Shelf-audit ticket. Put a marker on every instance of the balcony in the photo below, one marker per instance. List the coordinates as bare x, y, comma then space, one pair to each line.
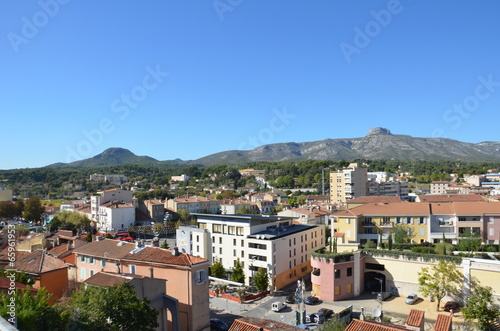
369, 224
444, 224
386, 225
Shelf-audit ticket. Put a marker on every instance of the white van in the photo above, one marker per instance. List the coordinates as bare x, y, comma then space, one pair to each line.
278, 306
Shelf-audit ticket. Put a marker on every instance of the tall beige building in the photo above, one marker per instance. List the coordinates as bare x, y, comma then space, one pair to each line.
348, 183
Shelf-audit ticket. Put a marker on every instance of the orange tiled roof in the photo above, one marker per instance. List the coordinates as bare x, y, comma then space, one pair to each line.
375, 199
107, 279
415, 317
39, 262
443, 322
257, 324
451, 197
163, 256
114, 249
358, 325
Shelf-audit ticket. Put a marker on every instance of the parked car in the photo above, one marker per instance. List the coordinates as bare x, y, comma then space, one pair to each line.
311, 300
327, 313
383, 296
278, 306
290, 299
450, 305
315, 318
411, 299
218, 325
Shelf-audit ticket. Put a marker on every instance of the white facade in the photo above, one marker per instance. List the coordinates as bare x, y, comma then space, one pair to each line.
269, 242
115, 216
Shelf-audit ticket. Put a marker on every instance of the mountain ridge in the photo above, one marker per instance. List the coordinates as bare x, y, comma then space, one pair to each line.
379, 143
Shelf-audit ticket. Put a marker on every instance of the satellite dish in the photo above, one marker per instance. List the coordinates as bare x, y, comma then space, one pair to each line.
376, 312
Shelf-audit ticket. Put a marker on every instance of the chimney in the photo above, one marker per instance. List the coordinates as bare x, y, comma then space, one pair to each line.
175, 251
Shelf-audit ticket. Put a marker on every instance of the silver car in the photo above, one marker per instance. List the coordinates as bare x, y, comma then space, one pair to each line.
411, 299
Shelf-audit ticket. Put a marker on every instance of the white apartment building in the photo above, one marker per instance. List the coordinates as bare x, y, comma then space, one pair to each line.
181, 178
115, 215
348, 183
259, 241
439, 187
389, 188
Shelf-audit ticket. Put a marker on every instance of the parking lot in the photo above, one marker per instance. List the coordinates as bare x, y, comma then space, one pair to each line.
394, 307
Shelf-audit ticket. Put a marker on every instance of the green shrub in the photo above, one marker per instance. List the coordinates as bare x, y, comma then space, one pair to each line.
370, 244
444, 249
426, 250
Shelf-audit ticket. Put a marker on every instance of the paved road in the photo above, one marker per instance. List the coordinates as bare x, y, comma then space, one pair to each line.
394, 307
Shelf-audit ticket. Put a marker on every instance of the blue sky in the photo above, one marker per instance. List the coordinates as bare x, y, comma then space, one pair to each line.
185, 79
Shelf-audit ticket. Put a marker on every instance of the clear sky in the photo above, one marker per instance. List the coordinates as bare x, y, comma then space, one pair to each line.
185, 79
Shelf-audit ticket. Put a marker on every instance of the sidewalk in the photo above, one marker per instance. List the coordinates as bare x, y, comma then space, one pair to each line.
233, 307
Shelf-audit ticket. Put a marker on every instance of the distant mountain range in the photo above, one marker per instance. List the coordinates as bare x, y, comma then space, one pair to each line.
379, 143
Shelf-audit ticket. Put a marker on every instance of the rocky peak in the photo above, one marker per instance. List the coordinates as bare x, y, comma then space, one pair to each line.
378, 131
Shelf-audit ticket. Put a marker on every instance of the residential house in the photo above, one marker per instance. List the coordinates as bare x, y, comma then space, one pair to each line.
186, 275
153, 289
115, 215
194, 204
45, 271
231, 206
439, 187
155, 209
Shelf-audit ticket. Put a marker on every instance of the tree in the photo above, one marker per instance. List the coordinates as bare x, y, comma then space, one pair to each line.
238, 275
389, 243
110, 308
217, 270
469, 241
184, 215
33, 209
7, 209
164, 245
244, 210
69, 220
402, 233
261, 280
441, 280
33, 312
480, 306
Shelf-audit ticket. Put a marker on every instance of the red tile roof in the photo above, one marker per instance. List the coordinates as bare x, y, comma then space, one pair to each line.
450, 197
374, 199
5, 285
357, 325
114, 249
257, 324
443, 322
163, 256
107, 279
39, 262
415, 317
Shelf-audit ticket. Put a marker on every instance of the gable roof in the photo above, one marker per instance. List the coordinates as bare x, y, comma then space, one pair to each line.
415, 317
163, 256
114, 249
443, 322
258, 324
374, 199
400, 208
39, 262
108, 279
450, 197
358, 325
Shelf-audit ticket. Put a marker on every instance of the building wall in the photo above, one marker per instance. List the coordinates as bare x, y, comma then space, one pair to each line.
55, 282
5, 195
193, 298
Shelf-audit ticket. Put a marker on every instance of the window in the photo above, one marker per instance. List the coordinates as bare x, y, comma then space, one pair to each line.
197, 238
131, 269
234, 242
151, 272
220, 240
231, 229
368, 231
422, 232
461, 219
234, 252
220, 250
213, 240
200, 277
349, 288
82, 258
421, 220
242, 243
337, 273
202, 225
337, 290
289, 242
398, 220
386, 220
239, 230
103, 262
491, 220
82, 273
197, 248
348, 221
349, 272
91, 272
408, 220
216, 228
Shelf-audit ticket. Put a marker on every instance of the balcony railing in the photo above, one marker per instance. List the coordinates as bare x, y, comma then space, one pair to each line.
386, 224
445, 223
368, 224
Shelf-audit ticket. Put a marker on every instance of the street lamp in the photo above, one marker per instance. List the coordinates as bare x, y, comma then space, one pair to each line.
380, 280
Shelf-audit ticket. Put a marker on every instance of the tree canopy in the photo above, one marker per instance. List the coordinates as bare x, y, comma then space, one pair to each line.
480, 306
261, 280
439, 280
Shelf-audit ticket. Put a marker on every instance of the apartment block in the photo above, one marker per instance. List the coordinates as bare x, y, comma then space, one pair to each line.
348, 183
259, 241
